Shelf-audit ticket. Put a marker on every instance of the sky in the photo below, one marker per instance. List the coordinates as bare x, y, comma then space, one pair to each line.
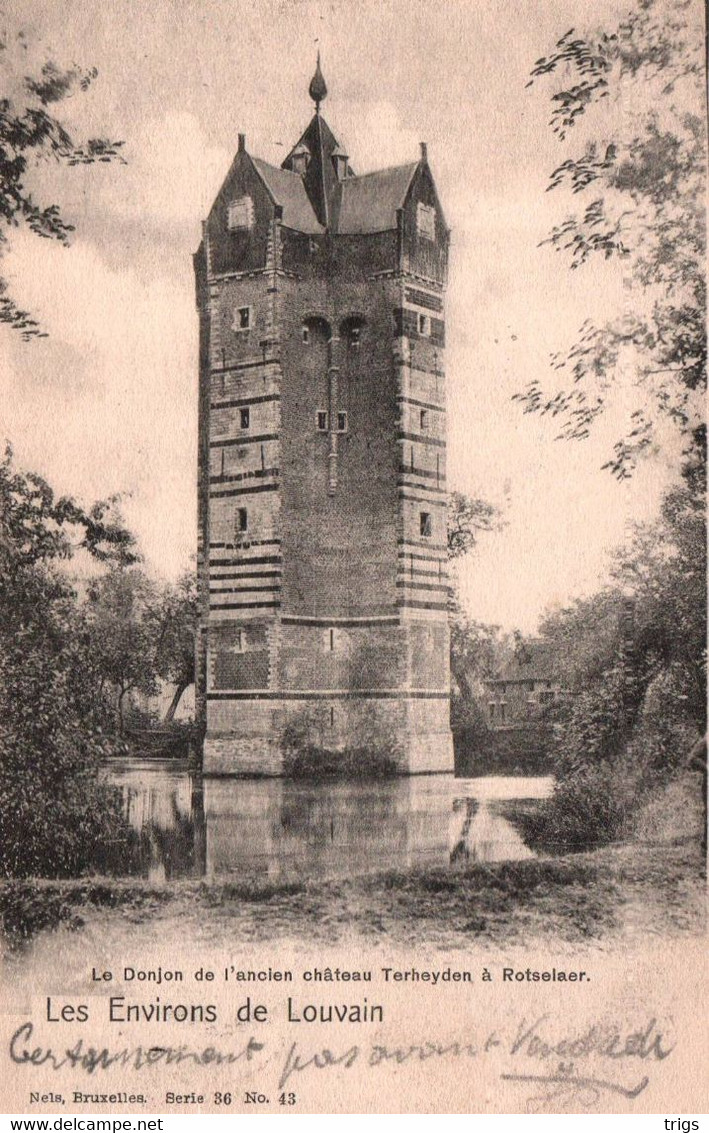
108, 401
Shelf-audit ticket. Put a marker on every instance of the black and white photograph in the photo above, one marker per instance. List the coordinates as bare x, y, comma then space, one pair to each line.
353, 557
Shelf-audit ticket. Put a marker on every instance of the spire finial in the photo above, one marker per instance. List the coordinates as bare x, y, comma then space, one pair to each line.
317, 89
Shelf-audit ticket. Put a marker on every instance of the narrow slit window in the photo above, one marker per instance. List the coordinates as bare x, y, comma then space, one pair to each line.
305, 333
332, 640
423, 420
342, 422
245, 417
425, 524
322, 420
242, 520
332, 717
424, 325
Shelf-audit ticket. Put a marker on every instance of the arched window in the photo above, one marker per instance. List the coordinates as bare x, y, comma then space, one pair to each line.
315, 329
351, 330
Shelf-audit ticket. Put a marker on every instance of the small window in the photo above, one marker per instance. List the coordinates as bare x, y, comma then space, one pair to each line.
426, 221
425, 524
503, 712
245, 417
241, 214
306, 333
424, 420
424, 325
332, 640
322, 417
239, 641
242, 318
242, 520
342, 422
491, 706
355, 336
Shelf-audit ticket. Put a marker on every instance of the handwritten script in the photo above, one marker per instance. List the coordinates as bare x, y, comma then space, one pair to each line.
561, 1070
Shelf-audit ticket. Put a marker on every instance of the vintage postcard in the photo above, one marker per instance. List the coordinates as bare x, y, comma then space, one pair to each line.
353, 557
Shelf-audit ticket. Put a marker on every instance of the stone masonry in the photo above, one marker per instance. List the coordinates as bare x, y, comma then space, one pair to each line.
322, 460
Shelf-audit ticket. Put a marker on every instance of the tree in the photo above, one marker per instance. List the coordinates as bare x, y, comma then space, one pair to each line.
123, 623
177, 626
37, 528
636, 94
467, 517
31, 131
473, 645
55, 811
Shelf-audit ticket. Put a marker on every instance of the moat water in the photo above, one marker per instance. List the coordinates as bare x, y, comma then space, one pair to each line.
275, 829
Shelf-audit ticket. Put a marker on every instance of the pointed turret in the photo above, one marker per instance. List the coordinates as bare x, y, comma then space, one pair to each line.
318, 158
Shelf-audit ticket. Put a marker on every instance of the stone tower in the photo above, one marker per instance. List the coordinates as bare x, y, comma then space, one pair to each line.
322, 461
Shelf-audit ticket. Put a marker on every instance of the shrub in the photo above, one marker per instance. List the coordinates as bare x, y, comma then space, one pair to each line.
352, 763
56, 813
373, 753
590, 807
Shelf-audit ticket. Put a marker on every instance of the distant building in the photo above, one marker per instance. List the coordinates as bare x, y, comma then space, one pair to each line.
322, 548
524, 688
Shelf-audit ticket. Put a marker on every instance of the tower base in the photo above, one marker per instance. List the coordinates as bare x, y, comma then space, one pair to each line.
265, 735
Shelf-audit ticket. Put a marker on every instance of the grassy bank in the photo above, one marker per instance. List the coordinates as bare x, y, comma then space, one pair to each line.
650, 884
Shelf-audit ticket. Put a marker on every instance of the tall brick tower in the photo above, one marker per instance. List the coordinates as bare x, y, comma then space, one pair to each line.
322, 461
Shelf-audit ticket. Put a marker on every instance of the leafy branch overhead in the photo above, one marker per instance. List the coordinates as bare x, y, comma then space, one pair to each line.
36, 527
634, 97
31, 131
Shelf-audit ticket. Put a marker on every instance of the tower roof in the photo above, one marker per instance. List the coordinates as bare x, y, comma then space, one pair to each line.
287, 190
369, 203
320, 178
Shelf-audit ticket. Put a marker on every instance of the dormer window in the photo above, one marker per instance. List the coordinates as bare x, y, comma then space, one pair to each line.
300, 159
339, 160
241, 214
426, 221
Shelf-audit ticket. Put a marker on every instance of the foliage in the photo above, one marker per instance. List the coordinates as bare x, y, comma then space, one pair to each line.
55, 811
353, 763
476, 651
591, 808
31, 131
177, 627
373, 751
467, 517
121, 616
635, 659
636, 96
36, 527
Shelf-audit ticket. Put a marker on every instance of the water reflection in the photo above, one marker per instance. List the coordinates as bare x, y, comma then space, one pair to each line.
281, 830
